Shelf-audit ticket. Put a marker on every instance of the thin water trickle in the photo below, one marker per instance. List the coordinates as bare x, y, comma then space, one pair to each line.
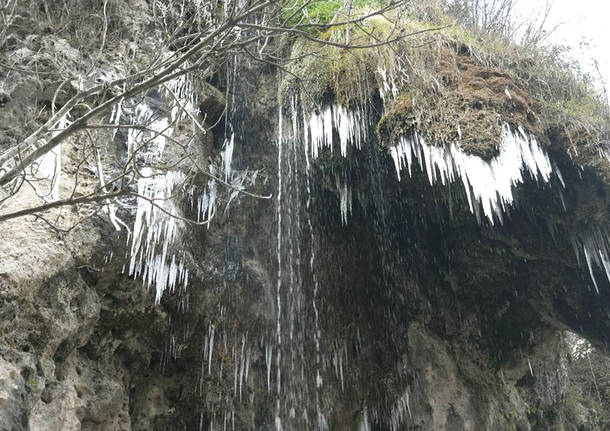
278, 328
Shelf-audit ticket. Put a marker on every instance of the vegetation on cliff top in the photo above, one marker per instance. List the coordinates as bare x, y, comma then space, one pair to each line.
454, 78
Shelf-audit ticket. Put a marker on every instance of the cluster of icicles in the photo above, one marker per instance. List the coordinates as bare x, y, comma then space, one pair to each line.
240, 351
44, 174
220, 342
349, 124
488, 184
351, 128
155, 228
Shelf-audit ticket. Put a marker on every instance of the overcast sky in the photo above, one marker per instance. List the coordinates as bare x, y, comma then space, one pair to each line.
579, 21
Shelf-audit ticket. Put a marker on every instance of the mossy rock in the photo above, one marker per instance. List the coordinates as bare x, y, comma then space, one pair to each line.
398, 121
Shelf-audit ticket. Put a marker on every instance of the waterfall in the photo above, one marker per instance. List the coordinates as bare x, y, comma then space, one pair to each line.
312, 262
278, 311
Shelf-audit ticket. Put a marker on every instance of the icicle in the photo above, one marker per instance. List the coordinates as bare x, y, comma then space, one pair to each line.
388, 90
210, 348
595, 247
56, 175
341, 371
247, 366
227, 157
558, 173
588, 259
181, 88
242, 362
605, 263
268, 357
153, 229
345, 200
206, 203
235, 365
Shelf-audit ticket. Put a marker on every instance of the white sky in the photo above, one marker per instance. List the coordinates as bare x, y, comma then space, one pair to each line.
579, 21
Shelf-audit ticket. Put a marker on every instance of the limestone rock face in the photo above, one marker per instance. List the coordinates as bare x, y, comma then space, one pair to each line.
12, 397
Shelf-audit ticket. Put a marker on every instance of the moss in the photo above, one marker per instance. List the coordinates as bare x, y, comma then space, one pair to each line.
583, 108
328, 73
398, 120
466, 109
323, 73
317, 11
350, 78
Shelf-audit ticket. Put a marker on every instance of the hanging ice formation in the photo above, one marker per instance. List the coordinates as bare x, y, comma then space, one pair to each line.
345, 199
154, 231
320, 128
486, 183
156, 225
227, 156
206, 202
490, 184
350, 124
184, 97
388, 90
